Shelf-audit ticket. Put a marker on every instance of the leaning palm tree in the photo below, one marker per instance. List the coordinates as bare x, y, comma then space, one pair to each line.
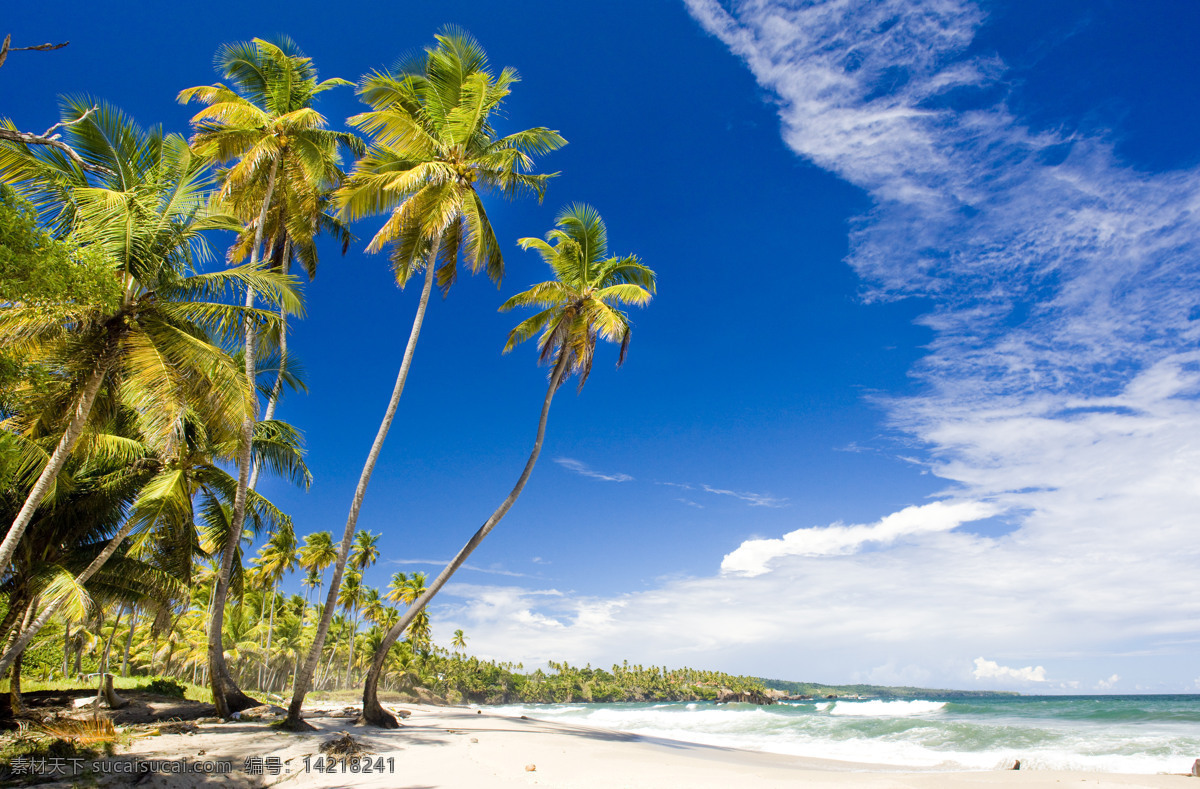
434, 145
266, 122
577, 308
158, 341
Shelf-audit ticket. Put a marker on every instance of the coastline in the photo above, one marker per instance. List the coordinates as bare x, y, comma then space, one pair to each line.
452, 747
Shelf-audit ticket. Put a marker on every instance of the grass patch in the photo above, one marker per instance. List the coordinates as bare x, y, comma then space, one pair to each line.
190, 691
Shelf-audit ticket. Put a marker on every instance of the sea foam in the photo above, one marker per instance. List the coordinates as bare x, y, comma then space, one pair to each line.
885, 709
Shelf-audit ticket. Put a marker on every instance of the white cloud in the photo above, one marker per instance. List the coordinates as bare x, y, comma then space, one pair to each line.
1061, 388
1108, 684
990, 669
753, 556
582, 469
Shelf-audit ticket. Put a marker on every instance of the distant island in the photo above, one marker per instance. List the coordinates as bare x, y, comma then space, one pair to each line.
818, 690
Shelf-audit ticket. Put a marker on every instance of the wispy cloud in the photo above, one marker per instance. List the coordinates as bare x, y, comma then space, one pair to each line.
1062, 387
584, 470
444, 562
754, 499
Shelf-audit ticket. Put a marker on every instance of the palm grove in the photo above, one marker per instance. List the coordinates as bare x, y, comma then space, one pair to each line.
143, 366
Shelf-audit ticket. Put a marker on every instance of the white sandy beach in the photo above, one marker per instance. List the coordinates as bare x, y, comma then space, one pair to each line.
460, 748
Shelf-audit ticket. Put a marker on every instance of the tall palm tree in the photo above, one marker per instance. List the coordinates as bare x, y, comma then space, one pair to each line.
407, 589
266, 122
157, 343
434, 145
578, 307
460, 640
312, 580
279, 558
363, 555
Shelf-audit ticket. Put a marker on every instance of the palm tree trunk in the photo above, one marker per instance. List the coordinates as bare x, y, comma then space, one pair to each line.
350, 655
270, 627
30, 632
66, 647
129, 643
112, 636
314, 655
227, 697
372, 712
16, 703
83, 407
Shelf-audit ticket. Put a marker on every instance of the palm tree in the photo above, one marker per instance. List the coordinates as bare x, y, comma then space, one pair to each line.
460, 640
154, 342
408, 589
279, 557
577, 308
350, 596
363, 555
433, 145
312, 580
161, 518
317, 553
267, 123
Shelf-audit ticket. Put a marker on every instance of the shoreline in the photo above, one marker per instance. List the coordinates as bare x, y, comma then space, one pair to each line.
452, 747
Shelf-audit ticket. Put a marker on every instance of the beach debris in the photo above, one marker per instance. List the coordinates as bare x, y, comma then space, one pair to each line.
342, 745
111, 699
178, 727
476, 739
531, 768
403, 714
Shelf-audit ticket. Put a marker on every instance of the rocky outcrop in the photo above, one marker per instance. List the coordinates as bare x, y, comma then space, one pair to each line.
725, 695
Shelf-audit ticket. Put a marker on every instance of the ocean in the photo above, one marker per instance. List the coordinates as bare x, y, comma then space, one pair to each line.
1121, 734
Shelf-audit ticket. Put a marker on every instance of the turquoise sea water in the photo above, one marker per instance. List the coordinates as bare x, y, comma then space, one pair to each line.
1127, 734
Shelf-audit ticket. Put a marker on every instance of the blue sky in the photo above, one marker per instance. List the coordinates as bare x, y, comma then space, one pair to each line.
916, 402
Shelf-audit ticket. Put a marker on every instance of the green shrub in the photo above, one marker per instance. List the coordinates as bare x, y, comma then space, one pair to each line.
165, 687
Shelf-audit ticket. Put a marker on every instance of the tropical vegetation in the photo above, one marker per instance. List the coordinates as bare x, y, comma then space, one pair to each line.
146, 291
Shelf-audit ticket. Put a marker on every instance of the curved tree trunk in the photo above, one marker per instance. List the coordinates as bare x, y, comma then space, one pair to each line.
16, 703
372, 712
28, 633
227, 697
62, 451
270, 631
304, 677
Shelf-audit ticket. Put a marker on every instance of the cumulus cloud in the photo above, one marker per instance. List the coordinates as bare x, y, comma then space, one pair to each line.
990, 669
582, 469
753, 556
1108, 684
